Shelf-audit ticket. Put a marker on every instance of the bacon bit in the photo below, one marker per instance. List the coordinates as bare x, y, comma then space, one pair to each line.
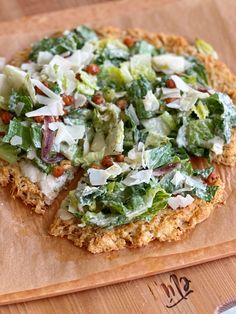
68, 100
120, 158
169, 100
107, 161
38, 90
170, 83
78, 76
122, 103
58, 171
6, 117
92, 69
129, 41
98, 99
39, 119
213, 177
95, 166
2, 133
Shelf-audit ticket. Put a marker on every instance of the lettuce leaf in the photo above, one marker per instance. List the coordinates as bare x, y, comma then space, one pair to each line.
137, 90
144, 47
115, 204
20, 102
8, 153
16, 128
69, 41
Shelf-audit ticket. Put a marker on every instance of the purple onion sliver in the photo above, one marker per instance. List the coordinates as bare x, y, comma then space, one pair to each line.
165, 169
48, 137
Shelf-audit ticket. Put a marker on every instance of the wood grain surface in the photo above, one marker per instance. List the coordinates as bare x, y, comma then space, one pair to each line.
198, 289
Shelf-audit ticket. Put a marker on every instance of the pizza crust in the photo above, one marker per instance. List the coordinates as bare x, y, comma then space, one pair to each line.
21, 187
167, 225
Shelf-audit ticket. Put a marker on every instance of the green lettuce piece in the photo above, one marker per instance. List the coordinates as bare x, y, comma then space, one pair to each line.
194, 136
196, 70
131, 132
111, 77
137, 90
154, 139
20, 103
70, 41
87, 33
8, 153
204, 47
223, 112
36, 135
80, 116
204, 173
143, 47
112, 50
115, 204
160, 156
163, 124
196, 187
16, 128
200, 110
141, 65
71, 152
47, 168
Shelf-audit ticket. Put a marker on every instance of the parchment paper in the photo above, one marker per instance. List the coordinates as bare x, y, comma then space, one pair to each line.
29, 258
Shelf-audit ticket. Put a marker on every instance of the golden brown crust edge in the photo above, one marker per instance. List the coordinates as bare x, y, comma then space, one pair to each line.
168, 225
21, 187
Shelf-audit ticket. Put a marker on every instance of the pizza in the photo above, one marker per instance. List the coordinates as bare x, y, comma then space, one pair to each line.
130, 109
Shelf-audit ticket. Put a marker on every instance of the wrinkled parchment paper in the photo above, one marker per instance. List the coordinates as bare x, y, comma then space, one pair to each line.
29, 258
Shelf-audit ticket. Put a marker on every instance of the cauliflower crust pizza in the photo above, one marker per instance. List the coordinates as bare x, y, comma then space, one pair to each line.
130, 108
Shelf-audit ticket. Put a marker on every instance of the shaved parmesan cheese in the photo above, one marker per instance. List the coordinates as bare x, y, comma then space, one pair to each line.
30, 67
178, 178
180, 84
54, 126
99, 177
170, 63
16, 140
79, 59
44, 57
69, 133
31, 154
137, 177
53, 109
150, 102
170, 93
45, 90
42, 100
180, 201
217, 145
80, 100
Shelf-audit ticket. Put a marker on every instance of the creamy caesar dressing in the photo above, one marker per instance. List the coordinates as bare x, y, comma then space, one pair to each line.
48, 184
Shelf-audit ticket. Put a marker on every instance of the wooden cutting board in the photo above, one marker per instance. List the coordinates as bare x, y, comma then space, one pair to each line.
17, 35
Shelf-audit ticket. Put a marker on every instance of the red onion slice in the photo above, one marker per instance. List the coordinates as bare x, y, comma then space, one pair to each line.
48, 137
165, 169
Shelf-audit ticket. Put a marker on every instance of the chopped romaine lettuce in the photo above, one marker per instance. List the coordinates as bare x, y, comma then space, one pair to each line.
109, 206
8, 152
